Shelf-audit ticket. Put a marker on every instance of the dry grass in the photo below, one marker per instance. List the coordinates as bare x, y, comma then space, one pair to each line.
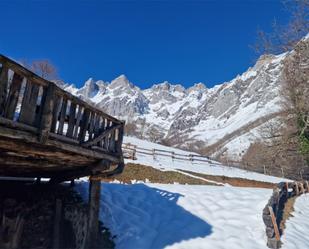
287, 211
237, 182
141, 173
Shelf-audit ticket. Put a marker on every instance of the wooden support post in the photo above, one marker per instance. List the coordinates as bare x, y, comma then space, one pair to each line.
274, 221
57, 220
47, 113
72, 184
94, 208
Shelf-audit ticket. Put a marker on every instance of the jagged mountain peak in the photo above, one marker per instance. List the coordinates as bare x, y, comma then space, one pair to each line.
121, 81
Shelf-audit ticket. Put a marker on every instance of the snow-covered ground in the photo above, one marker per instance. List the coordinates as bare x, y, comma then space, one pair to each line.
153, 216
209, 168
296, 233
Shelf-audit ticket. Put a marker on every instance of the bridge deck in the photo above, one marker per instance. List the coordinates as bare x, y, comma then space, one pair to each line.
48, 132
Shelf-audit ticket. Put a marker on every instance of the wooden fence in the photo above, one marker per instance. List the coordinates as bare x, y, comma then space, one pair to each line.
130, 152
273, 211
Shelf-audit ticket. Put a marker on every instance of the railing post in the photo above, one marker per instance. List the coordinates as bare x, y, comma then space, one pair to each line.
3, 86
47, 113
120, 139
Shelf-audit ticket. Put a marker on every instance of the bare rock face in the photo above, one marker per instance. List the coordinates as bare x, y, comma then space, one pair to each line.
195, 115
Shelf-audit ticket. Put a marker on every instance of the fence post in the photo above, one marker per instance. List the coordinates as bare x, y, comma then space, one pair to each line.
173, 155
274, 221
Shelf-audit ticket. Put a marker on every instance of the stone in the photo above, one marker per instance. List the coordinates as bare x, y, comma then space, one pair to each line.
273, 243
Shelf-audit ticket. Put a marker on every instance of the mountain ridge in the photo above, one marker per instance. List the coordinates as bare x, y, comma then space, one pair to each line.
195, 117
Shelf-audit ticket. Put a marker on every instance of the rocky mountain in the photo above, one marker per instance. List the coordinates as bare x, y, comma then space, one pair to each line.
223, 120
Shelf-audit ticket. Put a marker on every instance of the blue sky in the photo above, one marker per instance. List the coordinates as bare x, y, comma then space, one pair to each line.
149, 41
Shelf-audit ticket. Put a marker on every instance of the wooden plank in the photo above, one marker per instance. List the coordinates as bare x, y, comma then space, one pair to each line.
71, 120
12, 100
56, 111
84, 125
28, 106
91, 124
94, 208
47, 113
57, 221
111, 145
101, 136
3, 86
120, 140
274, 221
78, 119
62, 116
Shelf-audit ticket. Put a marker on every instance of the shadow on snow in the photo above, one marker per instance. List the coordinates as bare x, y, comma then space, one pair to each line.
146, 217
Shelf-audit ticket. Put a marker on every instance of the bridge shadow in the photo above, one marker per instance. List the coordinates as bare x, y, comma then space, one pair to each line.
145, 217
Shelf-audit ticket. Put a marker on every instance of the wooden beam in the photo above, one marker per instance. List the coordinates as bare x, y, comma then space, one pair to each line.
47, 114
101, 136
94, 208
28, 106
11, 103
3, 86
53, 145
57, 221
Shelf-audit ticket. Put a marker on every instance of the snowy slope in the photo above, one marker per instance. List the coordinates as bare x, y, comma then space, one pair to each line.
197, 116
295, 235
153, 216
209, 168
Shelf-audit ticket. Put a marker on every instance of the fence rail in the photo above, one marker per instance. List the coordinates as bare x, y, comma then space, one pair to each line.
130, 152
32, 103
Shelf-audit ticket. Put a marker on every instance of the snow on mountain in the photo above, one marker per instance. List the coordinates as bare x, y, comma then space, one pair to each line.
198, 116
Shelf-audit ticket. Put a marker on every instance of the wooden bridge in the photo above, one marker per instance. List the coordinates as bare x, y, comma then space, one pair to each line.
47, 132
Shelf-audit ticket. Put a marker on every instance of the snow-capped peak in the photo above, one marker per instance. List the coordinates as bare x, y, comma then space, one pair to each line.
121, 81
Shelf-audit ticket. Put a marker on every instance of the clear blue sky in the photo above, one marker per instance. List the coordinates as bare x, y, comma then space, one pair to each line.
149, 41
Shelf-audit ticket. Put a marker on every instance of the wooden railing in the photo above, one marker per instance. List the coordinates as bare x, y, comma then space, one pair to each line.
32, 103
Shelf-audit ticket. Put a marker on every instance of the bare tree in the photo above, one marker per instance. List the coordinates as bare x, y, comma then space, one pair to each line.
44, 68
283, 38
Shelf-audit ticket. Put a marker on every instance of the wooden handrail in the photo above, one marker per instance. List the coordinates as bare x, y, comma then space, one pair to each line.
45, 107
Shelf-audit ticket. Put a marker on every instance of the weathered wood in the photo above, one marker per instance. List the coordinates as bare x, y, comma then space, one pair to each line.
274, 221
62, 116
28, 106
99, 166
50, 145
84, 125
3, 86
32, 145
12, 100
57, 220
120, 140
19, 225
56, 111
91, 124
71, 120
94, 207
78, 119
111, 145
47, 113
101, 136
